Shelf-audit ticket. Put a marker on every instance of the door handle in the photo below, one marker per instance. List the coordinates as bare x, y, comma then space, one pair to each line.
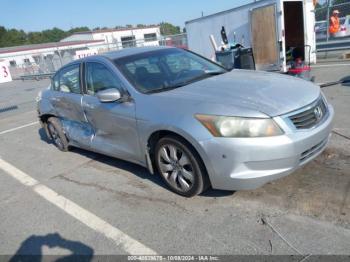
55, 99
90, 106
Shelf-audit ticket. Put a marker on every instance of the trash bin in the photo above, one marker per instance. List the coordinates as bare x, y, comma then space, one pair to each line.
226, 58
244, 59
239, 58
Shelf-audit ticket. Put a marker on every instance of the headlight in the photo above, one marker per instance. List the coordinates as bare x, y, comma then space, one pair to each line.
324, 98
225, 126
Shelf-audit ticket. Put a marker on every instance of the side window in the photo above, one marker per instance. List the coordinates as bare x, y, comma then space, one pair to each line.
55, 82
69, 79
99, 77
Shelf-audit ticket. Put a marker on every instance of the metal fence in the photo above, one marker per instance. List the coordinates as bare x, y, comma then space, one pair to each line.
43, 64
324, 12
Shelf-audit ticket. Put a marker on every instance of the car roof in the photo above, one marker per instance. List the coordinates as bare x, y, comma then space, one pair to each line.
133, 51
120, 53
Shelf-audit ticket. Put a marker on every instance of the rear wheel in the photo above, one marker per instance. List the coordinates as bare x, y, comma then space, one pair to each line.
56, 134
180, 166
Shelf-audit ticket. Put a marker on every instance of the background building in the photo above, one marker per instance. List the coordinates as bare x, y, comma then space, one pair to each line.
44, 58
124, 37
48, 57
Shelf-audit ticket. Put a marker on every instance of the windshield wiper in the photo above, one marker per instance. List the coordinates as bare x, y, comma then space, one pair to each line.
184, 83
200, 77
161, 89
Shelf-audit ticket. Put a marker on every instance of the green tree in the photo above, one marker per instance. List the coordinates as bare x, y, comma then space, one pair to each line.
78, 29
53, 35
35, 38
13, 37
169, 29
3, 32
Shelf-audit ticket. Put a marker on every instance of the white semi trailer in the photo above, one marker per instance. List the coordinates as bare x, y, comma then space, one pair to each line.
269, 27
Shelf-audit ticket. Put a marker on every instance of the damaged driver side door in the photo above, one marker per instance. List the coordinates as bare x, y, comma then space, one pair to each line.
113, 122
67, 101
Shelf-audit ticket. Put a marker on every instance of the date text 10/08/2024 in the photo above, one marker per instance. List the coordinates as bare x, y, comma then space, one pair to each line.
173, 258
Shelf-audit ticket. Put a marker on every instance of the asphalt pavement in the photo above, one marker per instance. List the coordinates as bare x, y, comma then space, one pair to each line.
85, 203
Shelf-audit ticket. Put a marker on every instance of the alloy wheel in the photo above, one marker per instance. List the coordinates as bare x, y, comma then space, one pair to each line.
176, 167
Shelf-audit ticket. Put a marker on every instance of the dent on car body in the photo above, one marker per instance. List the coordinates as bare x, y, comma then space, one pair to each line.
78, 133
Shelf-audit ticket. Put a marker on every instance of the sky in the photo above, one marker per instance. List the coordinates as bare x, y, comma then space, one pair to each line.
37, 15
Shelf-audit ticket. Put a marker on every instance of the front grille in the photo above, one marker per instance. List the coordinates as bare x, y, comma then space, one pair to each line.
312, 151
309, 118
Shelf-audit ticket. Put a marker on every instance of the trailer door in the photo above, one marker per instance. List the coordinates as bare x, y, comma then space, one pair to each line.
264, 38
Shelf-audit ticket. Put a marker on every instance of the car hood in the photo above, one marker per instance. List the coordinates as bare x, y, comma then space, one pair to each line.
270, 93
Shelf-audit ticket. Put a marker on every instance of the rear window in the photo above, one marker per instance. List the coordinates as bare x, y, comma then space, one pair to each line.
152, 68
177, 63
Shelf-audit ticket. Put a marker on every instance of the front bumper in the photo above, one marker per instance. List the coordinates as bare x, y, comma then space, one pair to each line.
248, 163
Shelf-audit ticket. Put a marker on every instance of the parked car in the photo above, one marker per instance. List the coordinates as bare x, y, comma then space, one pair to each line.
186, 118
344, 27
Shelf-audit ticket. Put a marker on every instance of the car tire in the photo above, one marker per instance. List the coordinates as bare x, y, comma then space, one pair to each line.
180, 166
57, 135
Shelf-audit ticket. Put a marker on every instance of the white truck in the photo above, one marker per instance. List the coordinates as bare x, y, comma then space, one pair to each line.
269, 27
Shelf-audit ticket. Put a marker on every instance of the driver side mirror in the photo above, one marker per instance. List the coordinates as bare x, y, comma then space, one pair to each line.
109, 95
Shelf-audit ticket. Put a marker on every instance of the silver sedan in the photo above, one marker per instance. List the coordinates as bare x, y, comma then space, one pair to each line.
186, 118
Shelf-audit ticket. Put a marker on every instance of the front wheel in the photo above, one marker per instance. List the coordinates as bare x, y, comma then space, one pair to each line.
180, 166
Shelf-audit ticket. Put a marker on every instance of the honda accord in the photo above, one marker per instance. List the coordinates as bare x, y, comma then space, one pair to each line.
187, 118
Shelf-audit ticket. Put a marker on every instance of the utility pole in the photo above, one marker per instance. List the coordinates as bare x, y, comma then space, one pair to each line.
59, 54
329, 4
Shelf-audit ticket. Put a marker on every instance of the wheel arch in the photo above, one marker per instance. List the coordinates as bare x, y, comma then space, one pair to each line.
43, 121
158, 134
45, 117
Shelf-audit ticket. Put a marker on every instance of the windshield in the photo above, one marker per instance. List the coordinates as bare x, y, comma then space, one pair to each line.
165, 69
